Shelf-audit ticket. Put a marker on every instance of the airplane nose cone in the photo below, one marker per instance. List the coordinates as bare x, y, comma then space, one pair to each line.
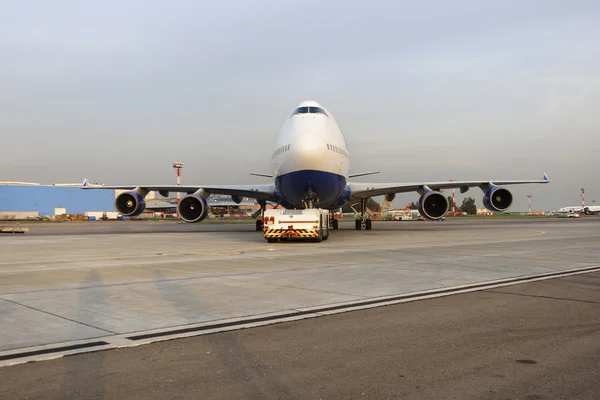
307, 143
308, 151
309, 139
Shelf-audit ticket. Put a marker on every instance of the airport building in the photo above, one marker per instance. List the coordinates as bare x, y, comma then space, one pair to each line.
21, 200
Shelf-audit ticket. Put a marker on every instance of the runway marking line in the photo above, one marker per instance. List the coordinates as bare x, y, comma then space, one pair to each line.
150, 255
537, 233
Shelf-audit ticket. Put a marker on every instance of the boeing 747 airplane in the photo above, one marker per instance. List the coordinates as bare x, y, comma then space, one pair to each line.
310, 164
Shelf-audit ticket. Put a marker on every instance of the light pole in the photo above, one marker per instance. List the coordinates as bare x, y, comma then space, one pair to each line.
178, 165
529, 199
453, 202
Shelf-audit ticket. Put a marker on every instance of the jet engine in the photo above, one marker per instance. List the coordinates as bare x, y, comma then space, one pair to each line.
130, 204
433, 205
497, 199
192, 208
390, 197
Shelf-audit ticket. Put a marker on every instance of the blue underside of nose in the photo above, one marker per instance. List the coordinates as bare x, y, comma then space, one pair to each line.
329, 187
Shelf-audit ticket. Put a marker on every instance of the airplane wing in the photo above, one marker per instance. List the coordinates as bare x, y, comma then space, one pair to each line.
259, 192
365, 190
362, 174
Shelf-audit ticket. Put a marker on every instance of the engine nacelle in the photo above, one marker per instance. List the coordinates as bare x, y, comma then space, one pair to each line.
236, 199
390, 197
192, 208
433, 205
497, 199
130, 204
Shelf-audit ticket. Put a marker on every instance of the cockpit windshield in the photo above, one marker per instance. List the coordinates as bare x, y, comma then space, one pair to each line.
309, 110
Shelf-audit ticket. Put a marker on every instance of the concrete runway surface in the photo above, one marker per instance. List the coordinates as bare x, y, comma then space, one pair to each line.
532, 341
88, 284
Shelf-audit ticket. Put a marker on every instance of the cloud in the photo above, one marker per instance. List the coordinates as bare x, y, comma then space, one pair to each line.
422, 90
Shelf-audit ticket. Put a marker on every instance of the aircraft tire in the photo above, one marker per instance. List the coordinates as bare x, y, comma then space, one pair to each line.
358, 224
319, 238
368, 224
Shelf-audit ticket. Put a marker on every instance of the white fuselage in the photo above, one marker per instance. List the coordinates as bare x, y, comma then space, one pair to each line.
310, 159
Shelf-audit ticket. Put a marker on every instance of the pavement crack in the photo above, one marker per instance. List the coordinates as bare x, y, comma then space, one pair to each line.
57, 316
544, 297
301, 288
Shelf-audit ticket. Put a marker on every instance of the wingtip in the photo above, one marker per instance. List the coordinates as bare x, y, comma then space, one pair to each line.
546, 177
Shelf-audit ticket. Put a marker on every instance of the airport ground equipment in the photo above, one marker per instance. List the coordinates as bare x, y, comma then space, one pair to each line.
385, 210
310, 224
13, 229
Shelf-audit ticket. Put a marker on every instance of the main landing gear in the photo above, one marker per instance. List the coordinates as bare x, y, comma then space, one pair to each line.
360, 223
363, 221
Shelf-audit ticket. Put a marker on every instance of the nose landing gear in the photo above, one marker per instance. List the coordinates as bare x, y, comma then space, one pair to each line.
310, 199
333, 223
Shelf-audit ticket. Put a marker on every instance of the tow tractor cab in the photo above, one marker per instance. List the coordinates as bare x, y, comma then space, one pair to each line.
308, 224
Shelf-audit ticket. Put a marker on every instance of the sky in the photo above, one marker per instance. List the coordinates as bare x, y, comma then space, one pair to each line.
116, 91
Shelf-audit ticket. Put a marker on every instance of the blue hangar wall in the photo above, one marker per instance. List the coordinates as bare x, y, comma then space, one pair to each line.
45, 199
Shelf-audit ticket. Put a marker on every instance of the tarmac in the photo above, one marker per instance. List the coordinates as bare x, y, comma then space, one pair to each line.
78, 287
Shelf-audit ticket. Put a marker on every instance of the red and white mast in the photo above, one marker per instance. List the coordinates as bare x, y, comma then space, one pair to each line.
178, 165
